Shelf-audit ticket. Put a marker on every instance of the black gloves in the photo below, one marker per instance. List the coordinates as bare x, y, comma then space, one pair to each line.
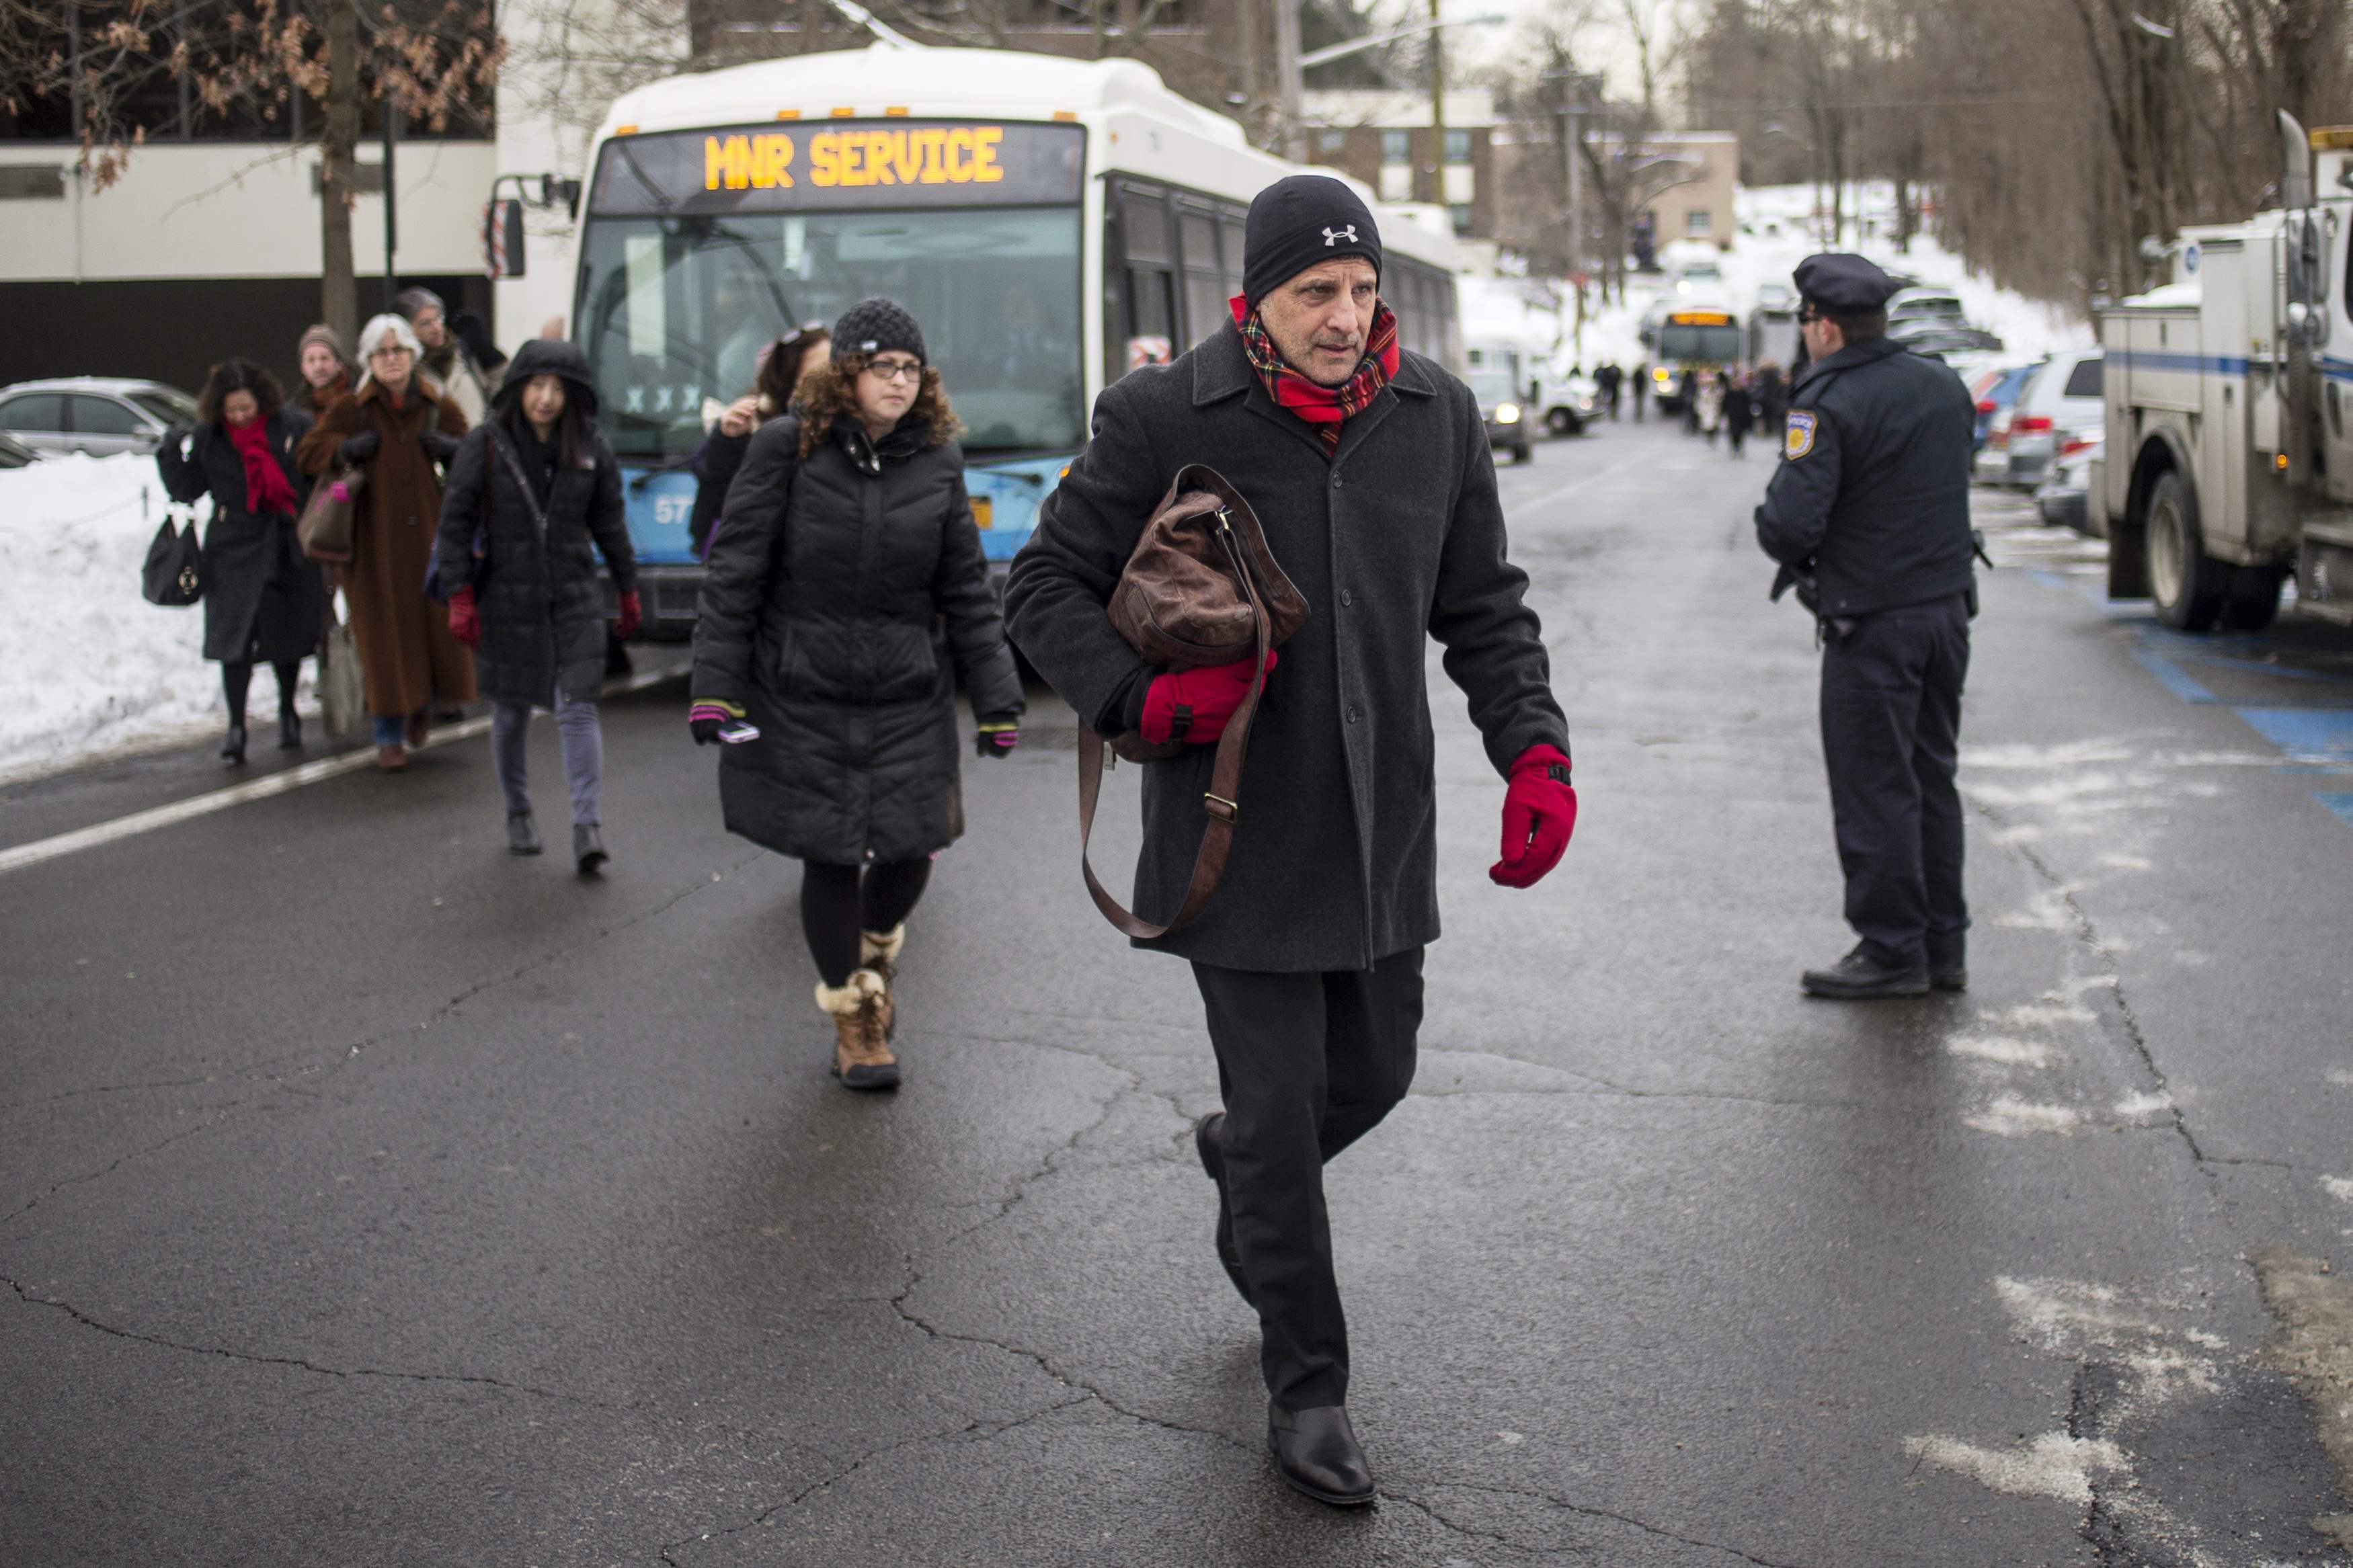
438, 445
359, 448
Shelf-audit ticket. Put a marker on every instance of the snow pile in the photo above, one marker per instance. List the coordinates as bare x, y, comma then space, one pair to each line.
91, 667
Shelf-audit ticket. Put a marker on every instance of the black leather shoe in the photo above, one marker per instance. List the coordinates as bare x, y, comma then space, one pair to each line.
289, 731
1206, 1135
1859, 978
588, 848
1318, 1454
233, 747
523, 834
1948, 977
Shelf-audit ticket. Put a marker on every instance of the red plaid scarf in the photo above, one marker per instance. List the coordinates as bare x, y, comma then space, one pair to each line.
1324, 407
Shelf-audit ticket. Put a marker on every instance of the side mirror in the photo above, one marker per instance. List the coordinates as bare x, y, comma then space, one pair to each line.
502, 241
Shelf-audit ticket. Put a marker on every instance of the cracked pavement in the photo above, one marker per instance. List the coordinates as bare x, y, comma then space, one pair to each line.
373, 1197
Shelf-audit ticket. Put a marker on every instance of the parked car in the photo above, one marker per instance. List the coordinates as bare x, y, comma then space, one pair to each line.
2061, 498
2060, 399
1499, 405
97, 415
1993, 390
1942, 335
1925, 304
1776, 297
1570, 403
15, 454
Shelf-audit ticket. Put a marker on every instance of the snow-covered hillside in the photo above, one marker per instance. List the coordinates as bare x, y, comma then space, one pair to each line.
91, 668
1775, 232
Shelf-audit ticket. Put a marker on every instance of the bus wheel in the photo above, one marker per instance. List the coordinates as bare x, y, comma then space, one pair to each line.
2252, 600
2187, 582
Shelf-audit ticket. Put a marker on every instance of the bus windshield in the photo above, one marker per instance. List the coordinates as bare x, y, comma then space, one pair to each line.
1683, 343
673, 309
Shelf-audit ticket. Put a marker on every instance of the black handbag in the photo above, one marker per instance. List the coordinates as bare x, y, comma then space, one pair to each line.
174, 574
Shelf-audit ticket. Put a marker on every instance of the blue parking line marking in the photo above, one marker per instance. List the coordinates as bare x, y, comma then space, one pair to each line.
2337, 802
2307, 734
2172, 677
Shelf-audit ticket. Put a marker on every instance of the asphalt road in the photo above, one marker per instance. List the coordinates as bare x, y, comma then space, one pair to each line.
372, 1197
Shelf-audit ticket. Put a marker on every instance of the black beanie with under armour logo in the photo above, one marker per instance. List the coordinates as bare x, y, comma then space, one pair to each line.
1298, 222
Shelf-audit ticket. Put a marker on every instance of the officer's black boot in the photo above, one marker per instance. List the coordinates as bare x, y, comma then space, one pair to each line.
1948, 967
1318, 1454
1859, 977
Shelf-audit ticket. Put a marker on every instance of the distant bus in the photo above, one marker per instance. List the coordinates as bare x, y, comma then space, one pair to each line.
1692, 337
1052, 223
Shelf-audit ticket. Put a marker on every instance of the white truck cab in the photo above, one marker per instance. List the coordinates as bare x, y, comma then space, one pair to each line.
2229, 390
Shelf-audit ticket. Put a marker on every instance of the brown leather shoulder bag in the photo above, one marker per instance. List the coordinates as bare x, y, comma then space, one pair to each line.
1200, 588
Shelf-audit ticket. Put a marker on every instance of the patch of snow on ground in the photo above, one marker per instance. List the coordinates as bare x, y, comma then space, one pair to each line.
2054, 1465
2002, 1048
2339, 1187
2133, 1106
2008, 1117
93, 668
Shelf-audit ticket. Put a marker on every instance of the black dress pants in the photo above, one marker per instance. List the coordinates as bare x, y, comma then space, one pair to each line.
1891, 735
1307, 1064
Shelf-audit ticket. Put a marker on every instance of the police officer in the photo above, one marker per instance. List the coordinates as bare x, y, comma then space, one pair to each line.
1868, 515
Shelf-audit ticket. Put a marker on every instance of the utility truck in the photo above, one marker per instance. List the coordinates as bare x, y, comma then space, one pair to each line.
2229, 459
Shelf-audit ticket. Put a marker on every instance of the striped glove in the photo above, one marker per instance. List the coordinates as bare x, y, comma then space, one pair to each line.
706, 717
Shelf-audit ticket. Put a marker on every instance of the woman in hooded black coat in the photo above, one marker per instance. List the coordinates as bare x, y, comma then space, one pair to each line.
263, 601
845, 593
533, 496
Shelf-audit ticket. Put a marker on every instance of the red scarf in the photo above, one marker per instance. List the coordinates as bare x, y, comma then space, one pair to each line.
266, 489
1324, 407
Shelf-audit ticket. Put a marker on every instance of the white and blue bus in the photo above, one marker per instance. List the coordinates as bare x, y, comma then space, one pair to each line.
1051, 223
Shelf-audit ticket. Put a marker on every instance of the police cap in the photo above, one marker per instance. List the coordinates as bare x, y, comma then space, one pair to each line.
1840, 283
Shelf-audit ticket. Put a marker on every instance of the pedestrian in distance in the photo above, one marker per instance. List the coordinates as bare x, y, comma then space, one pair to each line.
1608, 380
777, 376
534, 497
1687, 391
1740, 410
263, 602
444, 358
1642, 388
1709, 409
1772, 389
1368, 467
1869, 517
845, 596
397, 428
326, 371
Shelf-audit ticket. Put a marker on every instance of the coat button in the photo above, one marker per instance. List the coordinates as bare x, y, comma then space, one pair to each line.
1347, 598
1354, 714
1335, 479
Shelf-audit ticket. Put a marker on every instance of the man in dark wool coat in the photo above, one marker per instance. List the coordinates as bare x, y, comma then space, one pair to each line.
1368, 467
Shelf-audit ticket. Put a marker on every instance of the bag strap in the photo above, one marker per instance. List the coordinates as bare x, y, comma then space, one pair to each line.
521, 480
1222, 803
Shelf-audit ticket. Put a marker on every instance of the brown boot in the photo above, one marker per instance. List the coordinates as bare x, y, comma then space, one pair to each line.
861, 1051
879, 951
420, 724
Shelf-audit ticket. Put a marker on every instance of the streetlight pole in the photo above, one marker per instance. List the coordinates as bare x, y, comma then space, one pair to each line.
1287, 69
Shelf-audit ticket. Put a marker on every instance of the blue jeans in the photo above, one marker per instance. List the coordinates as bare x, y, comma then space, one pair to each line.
584, 753
391, 729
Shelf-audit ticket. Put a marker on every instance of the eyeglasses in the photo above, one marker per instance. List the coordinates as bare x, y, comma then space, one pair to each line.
895, 369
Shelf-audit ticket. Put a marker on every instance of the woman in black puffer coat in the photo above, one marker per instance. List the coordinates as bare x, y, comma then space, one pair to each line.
531, 498
263, 602
845, 592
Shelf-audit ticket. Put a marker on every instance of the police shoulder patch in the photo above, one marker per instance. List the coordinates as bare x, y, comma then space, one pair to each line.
1798, 438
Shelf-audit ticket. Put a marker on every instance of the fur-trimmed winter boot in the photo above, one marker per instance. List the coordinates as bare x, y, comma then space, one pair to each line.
861, 1051
879, 951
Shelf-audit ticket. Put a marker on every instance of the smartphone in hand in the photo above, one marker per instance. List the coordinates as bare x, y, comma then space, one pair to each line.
736, 731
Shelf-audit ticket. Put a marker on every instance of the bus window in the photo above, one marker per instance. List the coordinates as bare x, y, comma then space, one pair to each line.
1205, 293
1230, 230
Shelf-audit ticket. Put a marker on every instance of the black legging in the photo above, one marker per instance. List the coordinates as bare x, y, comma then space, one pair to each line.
236, 675
837, 904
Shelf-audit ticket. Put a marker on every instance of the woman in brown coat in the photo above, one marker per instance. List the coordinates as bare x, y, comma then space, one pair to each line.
394, 426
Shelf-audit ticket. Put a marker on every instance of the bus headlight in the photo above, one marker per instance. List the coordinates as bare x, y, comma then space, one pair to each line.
1508, 414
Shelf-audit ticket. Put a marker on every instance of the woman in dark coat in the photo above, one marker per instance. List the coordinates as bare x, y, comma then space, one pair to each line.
262, 600
534, 495
775, 381
845, 595
397, 427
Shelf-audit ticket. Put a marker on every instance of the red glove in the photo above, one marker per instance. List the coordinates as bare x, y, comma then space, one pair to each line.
1539, 814
465, 622
633, 616
1194, 705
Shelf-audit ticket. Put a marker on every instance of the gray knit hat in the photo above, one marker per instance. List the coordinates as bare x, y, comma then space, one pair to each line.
877, 326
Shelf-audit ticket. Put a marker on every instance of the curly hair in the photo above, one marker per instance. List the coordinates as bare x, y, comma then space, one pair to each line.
830, 391
239, 376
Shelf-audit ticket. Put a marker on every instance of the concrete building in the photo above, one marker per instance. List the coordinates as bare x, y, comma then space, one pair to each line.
1387, 140
1700, 207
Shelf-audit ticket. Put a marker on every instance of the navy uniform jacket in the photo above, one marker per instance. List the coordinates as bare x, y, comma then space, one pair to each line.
1872, 495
